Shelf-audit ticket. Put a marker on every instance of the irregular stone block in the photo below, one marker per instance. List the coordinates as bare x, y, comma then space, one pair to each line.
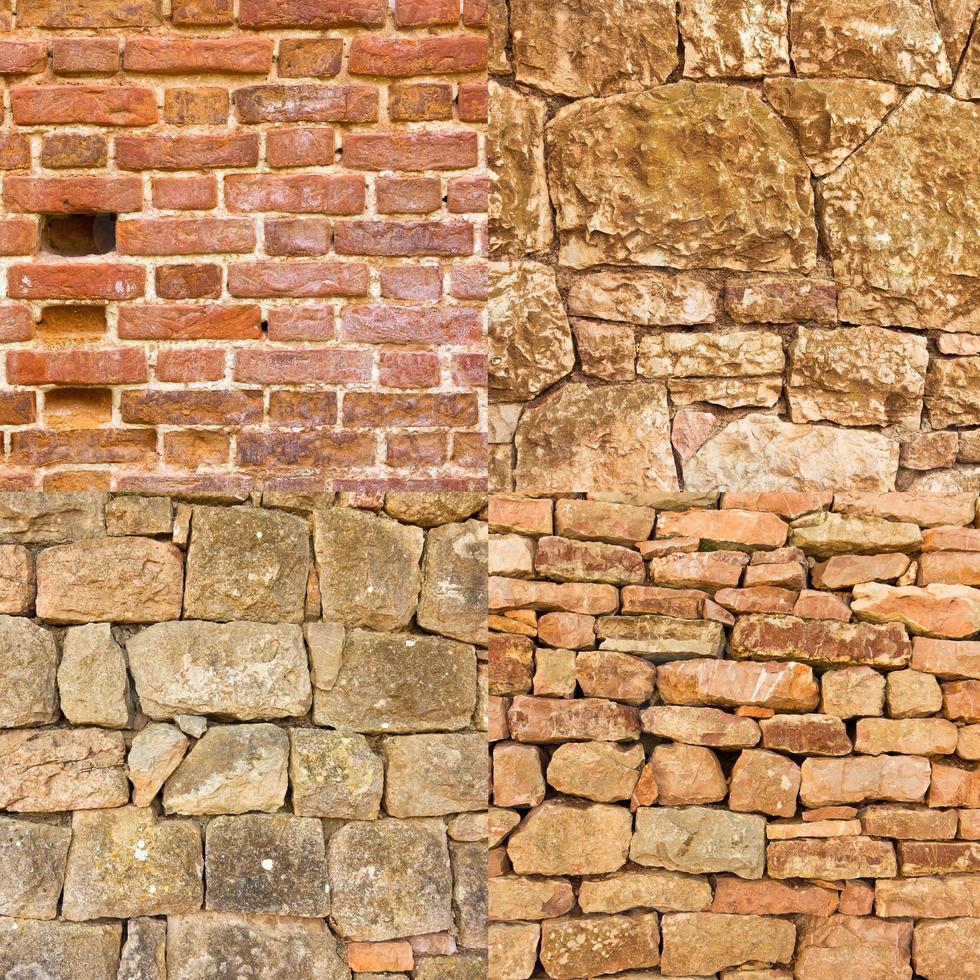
513, 948
432, 775
469, 866
905, 822
432, 509
844, 571
764, 782
938, 857
947, 950
572, 946
144, 953
146, 516
17, 581
567, 560
700, 726
92, 678
599, 771
155, 753
666, 891
28, 664
334, 775
51, 518
687, 774
649, 298
852, 691
33, 857
735, 354
928, 509
848, 945
806, 734
513, 898
905, 736
831, 782
768, 897
928, 898
587, 599
549, 721
946, 658
729, 684
67, 950
841, 857
945, 611
606, 674
705, 942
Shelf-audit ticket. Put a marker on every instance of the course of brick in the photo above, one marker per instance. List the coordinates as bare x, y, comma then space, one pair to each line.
736, 244
243, 738
735, 736
242, 242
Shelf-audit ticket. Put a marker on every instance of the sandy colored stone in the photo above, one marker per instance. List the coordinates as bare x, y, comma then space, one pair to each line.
762, 452
921, 858
967, 85
17, 581
513, 897
155, 753
568, 560
854, 779
520, 211
946, 658
705, 942
825, 535
848, 945
513, 949
699, 839
511, 555
821, 605
550, 721
33, 856
665, 891
954, 786
51, 518
726, 355
671, 602
144, 952
67, 950
727, 392
743, 39
567, 837
647, 297
725, 529
530, 344
464, 965
832, 858
806, 734
431, 775
469, 868
582, 438
616, 676
432, 509
947, 950
333, 774
28, 664
599, 771
511, 664
926, 508
92, 679
127, 862
687, 774
777, 299
368, 568
139, 515
572, 946
608, 212
905, 736
232, 769
662, 638
453, 599
931, 450
390, 879
588, 599
795, 829
700, 726
844, 571
830, 117
929, 897
566, 631
764, 782
768, 897
945, 611
47, 770
961, 701
950, 567
852, 691
121, 580
400, 683
726, 683
951, 391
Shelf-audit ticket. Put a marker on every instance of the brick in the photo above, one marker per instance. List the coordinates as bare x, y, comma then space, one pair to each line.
195, 364
322, 450
399, 58
79, 13
426, 13
23, 57
412, 325
409, 449
403, 238
298, 236
202, 13
15, 151
185, 193
473, 102
303, 409
168, 152
331, 366
306, 103
475, 13
469, 369
369, 410
195, 106
410, 151
191, 407
468, 194
304, 13
295, 193
190, 449
408, 369
75, 281
66, 195
259, 279
410, 195
74, 150
97, 104
121, 366
182, 56
188, 281
17, 408
310, 57
420, 101
81, 55
18, 236
184, 236
77, 408
172, 322
295, 147
301, 323
469, 281
84, 446
411, 282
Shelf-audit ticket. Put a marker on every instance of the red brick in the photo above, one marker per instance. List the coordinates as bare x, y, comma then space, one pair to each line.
298, 236
16, 323
184, 236
307, 57
297, 147
107, 366
83, 446
188, 281
301, 323
173, 322
15, 151
202, 13
84, 55
258, 279
414, 449
426, 13
398, 57
23, 57
470, 450
189, 449
324, 366
101, 105
469, 281
74, 150
295, 193
88, 13
322, 450
195, 106
65, 195
469, 370
200, 407
408, 369
368, 410
184, 55
403, 238
473, 102
408, 195
17, 407
312, 13
417, 282
302, 408
420, 101
191, 364
475, 13
307, 103
410, 151
468, 195
77, 408
412, 325
77, 481
18, 236
75, 280
185, 193
167, 152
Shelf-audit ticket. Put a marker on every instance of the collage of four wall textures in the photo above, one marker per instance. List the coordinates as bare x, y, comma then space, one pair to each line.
242, 242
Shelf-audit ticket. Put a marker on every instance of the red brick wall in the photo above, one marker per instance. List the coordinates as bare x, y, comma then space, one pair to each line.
295, 288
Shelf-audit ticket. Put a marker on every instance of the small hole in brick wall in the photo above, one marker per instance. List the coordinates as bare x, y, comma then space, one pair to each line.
79, 234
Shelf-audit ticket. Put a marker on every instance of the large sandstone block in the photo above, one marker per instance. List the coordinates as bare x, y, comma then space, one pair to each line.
92, 678
661, 638
951, 391
705, 942
247, 563
28, 665
121, 580
768, 897
730, 684
392, 683
931, 897
944, 611
946, 658
368, 567
648, 297
514, 898
550, 720
236, 670
572, 946
830, 859
905, 736
66, 950
51, 518
33, 857
334, 774
599, 771
700, 726
827, 534
432, 775
947, 949
849, 945
834, 782
567, 560
127, 862
806, 734
666, 891
586, 598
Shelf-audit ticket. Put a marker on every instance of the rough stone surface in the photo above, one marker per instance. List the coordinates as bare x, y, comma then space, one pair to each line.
71, 950
34, 856
155, 753
29, 662
746, 39
572, 947
705, 942
334, 774
51, 518
92, 678
431, 775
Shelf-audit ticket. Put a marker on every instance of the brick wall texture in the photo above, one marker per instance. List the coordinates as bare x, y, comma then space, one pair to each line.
737, 245
295, 286
735, 736
243, 738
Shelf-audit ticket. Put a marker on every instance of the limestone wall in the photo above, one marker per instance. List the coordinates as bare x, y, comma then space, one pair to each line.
737, 245
242, 737
735, 736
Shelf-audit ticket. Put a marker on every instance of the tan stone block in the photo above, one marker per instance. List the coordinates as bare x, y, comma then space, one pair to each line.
599, 771
687, 774
908, 823
906, 736
764, 782
806, 734
573, 946
518, 774
832, 858
666, 891
704, 942
768, 897
787, 687
855, 779
852, 691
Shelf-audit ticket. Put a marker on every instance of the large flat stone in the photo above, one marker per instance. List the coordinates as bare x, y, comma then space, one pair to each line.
850, 945
334, 774
433, 775
943, 611
572, 946
731, 684
553, 720
666, 891
947, 950
33, 857
648, 297
854, 779
66, 950
51, 518
700, 726
831, 859
661, 638
700, 943
28, 664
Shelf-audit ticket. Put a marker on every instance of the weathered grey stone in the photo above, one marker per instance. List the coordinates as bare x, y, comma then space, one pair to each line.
28, 665
119, 580
232, 769
144, 954
230, 670
247, 563
608, 211
92, 678
126, 862
155, 753
66, 950
334, 775
432, 509
18, 584
147, 516
272, 864
251, 947
400, 683
431, 775
389, 879
582, 438
469, 865
453, 601
46, 770
368, 567
51, 518
459, 966
33, 857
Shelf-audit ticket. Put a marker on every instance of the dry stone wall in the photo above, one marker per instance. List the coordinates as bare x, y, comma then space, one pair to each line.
243, 738
736, 246
735, 736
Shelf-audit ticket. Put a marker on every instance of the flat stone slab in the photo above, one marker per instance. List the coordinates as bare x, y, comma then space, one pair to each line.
51, 518
66, 950
33, 857
28, 665
334, 774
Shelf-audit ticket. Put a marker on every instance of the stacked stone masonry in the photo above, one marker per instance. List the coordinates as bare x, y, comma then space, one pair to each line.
736, 245
243, 737
242, 242
735, 736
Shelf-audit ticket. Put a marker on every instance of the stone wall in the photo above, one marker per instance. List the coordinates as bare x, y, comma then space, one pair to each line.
735, 736
242, 739
240, 239
737, 245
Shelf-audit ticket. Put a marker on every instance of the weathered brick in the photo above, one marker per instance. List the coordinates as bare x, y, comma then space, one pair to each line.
191, 407
297, 193
302, 367
300, 147
310, 57
172, 322
411, 325
52, 280
81, 56
184, 236
403, 238
260, 279
307, 103
182, 56
66, 195
302, 13
168, 152
38, 105
410, 151
397, 57
188, 281
74, 150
